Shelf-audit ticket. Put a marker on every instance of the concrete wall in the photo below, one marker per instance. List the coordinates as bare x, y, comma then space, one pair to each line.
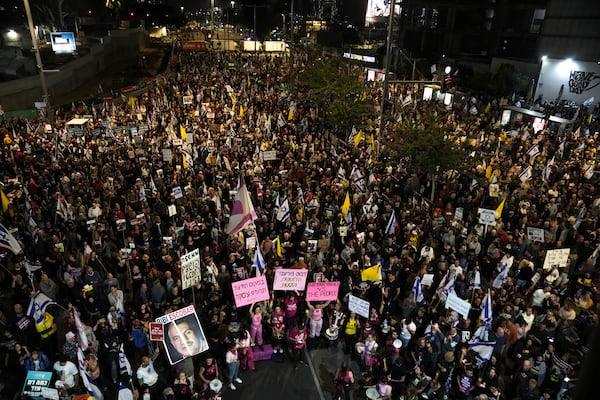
118, 49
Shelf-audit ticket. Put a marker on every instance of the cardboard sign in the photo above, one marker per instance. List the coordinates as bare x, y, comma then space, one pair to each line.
458, 213
290, 279
190, 269
167, 155
188, 99
457, 304
322, 291
269, 155
156, 332
535, 234
177, 192
183, 336
427, 280
556, 257
359, 306
487, 216
250, 291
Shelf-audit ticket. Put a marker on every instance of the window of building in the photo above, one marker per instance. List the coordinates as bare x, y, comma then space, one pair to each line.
538, 17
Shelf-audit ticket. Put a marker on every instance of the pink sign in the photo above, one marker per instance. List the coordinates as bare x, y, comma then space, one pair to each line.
290, 279
318, 291
250, 291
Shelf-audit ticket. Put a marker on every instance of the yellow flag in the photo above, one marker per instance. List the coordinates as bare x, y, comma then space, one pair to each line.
277, 246
487, 109
358, 137
5, 202
363, 96
346, 206
589, 120
291, 114
372, 274
488, 172
241, 111
131, 102
248, 80
185, 162
500, 208
182, 132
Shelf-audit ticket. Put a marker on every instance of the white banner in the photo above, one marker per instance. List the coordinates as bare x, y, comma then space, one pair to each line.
457, 304
190, 269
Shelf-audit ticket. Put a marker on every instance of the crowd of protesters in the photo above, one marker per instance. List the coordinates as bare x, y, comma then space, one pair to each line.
68, 196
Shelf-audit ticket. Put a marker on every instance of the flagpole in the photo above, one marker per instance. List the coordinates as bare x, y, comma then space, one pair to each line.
7, 270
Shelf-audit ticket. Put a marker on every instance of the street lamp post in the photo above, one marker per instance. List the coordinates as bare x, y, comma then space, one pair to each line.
388, 57
38, 61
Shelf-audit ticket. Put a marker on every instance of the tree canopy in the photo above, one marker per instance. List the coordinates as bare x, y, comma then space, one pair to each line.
339, 91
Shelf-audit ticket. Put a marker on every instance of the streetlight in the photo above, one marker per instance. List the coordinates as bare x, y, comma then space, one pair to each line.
283, 15
38, 60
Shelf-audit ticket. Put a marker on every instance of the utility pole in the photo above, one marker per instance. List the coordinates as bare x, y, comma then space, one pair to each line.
388, 57
292, 23
38, 61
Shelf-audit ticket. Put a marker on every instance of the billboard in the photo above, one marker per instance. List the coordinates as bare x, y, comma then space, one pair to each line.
63, 42
183, 336
379, 10
570, 80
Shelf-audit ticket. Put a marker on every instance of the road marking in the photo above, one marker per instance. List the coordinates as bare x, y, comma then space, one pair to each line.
313, 372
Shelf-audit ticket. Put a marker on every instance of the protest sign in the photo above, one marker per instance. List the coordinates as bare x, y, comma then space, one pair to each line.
535, 234
190, 269
427, 280
487, 216
322, 291
457, 304
35, 381
156, 331
183, 335
359, 306
290, 279
250, 291
556, 257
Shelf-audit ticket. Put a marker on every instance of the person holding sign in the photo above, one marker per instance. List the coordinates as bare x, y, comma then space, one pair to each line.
297, 340
256, 325
315, 313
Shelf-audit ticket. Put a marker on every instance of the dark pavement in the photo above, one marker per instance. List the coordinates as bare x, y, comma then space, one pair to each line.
277, 379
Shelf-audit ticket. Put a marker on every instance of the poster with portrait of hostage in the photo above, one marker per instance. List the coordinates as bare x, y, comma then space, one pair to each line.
183, 334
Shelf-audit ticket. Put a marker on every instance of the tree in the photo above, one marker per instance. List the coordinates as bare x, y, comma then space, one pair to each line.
340, 92
429, 145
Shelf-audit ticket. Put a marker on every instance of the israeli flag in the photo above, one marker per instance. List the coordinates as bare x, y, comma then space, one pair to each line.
390, 229
533, 151
418, 291
283, 211
526, 174
476, 282
259, 261
502, 276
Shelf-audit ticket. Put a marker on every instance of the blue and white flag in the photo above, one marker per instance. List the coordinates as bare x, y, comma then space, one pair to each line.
548, 170
330, 229
358, 179
588, 171
283, 211
476, 281
486, 308
33, 227
8, 241
502, 276
341, 173
418, 291
37, 306
31, 268
259, 261
369, 208
474, 184
390, 229
533, 151
446, 286
124, 364
579, 218
526, 174
484, 350
88, 382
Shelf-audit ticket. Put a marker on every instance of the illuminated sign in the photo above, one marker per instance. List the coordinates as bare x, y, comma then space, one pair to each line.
359, 57
63, 42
